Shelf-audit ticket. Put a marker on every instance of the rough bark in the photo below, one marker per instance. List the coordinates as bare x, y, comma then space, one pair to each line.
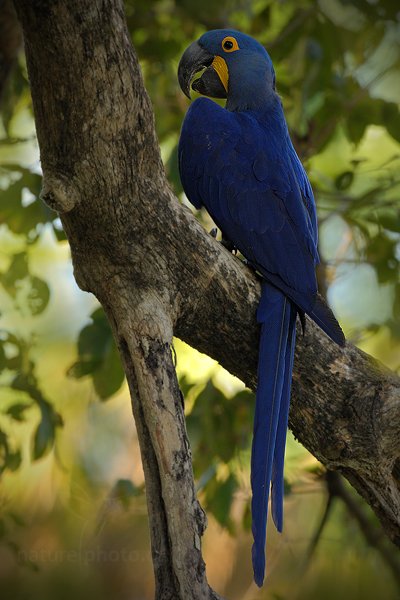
157, 272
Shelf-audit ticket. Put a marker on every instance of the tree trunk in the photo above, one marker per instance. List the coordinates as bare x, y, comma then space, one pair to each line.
158, 273
10, 41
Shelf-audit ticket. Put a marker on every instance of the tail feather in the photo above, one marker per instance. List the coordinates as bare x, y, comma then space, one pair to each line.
277, 488
324, 317
274, 314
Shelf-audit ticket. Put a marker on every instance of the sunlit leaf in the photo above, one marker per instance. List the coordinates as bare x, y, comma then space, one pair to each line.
98, 357
19, 218
17, 271
108, 379
39, 295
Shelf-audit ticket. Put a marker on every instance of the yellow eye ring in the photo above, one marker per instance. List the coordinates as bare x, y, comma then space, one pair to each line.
229, 44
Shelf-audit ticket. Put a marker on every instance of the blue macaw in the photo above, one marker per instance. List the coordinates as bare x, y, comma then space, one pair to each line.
239, 162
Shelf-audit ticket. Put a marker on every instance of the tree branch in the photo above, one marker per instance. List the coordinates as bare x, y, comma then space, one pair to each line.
156, 271
177, 521
372, 535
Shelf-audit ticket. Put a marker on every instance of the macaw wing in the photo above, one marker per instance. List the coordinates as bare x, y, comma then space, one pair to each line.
203, 136
250, 189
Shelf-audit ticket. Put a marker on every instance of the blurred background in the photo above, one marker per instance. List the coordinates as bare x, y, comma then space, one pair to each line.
72, 500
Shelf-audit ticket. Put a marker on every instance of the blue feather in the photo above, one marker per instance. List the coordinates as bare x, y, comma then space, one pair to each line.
277, 489
275, 316
240, 164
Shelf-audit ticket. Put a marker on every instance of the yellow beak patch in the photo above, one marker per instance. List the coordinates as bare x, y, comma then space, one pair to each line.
221, 68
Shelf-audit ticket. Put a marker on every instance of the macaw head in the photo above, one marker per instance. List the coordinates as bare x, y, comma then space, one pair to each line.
237, 67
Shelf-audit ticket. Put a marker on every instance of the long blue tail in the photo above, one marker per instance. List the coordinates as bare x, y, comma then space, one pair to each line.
277, 317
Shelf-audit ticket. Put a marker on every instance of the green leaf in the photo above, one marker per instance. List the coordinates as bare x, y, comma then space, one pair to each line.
14, 460
247, 520
185, 386
16, 411
219, 497
43, 440
381, 253
8, 459
3, 357
344, 180
17, 271
287, 487
38, 296
124, 490
98, 357
108, 379
391, 119
357, 122
94, 338
82, 368
208, 427
389, 219
19, 218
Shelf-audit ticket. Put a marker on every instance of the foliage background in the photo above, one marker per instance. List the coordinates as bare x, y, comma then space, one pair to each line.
73, 511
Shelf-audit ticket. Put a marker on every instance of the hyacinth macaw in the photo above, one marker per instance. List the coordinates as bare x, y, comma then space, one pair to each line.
239, 162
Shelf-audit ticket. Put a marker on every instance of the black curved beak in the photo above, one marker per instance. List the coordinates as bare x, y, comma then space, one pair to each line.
193, 60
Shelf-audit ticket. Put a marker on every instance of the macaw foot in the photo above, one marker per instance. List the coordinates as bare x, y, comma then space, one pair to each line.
225, 242
213, 232
228, 245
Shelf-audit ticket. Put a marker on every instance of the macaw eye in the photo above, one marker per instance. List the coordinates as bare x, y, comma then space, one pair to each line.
229, 44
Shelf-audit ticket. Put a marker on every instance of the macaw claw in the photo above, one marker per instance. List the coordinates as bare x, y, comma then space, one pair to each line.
228, 245
225, 242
